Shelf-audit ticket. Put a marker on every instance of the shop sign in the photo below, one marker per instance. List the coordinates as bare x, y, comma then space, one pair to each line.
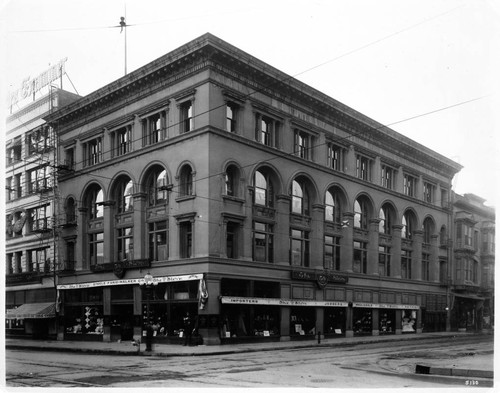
321, 277
280, 302
387, 306
131, 281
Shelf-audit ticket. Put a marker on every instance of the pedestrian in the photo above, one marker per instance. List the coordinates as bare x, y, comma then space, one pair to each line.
188, 329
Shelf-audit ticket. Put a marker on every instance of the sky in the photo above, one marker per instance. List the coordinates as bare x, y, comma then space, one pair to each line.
428, 69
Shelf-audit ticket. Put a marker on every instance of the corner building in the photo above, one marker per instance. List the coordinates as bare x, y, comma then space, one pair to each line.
222, 176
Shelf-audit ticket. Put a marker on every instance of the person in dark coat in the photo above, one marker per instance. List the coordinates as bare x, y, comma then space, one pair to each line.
188, 329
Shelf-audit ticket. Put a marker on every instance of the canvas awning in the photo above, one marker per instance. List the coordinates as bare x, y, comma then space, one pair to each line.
33, 311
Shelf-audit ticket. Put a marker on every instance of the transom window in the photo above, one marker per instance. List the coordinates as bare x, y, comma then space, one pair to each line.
157, 187
361, 213
95, 199
124, 199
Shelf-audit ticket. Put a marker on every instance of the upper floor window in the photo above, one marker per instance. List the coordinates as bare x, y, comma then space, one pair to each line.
388, 177
409, 185
429, 192
39, 179
335, 157
154, 128
40, 140
363, 168
93, 152
263, 242
70, 210
39, 218
300, 198
186, 116
95, 199
38, 260
9, 188
332, 252
69, 158
428, 229
231, 180
121, 140
385, 216
333, 209
157, 187
303, 144
124, 199
488, 242
186, 181
361, 213
14, 152
408, 223
231, 116
267, 130
299, 248
263, 194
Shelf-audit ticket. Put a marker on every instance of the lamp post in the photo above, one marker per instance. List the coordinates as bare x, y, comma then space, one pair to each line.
147, 283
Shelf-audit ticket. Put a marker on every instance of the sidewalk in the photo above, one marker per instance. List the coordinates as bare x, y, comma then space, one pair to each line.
476, 362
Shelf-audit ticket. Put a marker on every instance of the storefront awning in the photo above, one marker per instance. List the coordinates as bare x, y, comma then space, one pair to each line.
469, 296
279, 302
32, 310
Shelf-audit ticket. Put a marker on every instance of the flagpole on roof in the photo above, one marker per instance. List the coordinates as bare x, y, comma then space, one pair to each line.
123, 25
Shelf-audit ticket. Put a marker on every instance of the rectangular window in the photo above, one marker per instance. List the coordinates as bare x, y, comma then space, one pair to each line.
39, 218
443, 273
409, 185
40, 140
425, 266
360, 257
384, 261
123, 140
335, 157
186, 239
158, 241
13, 154
263, 242
388, 177
154, 128
93, 152
363, 168
38, 260
467, 235
299, 248
69, 158
429, 192
302, 145
406, 264
125, 240
186, 116
18, 186
332, 252
96, 248
39, 179
267, 130
9, 188
231, 113
232, 230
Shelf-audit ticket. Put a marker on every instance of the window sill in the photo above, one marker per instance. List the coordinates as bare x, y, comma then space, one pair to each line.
185, 198
233, 199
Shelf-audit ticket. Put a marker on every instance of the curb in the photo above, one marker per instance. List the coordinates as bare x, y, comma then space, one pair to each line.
453, 372
227, 351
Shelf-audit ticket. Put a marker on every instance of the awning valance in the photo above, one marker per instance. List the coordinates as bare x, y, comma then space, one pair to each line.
33, 311
468, 296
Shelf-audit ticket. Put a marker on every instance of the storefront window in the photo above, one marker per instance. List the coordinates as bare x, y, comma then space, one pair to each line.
84, 320
387, 322
362, 321
409, 321
302, 321
335, 321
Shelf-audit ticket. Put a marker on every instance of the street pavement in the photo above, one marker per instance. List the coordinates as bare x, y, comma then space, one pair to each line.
481, 362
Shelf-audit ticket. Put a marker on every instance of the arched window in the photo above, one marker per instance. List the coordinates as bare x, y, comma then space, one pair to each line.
300, 198
157, 188
408, 226
231, 179
428, 228
385, 225
361, 213
123, 195
186, 181
70, 211
95, 198
263, 194
333, 208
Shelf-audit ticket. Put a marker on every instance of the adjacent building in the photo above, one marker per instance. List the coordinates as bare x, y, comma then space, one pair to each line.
262, 207
31, 203
473, 288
